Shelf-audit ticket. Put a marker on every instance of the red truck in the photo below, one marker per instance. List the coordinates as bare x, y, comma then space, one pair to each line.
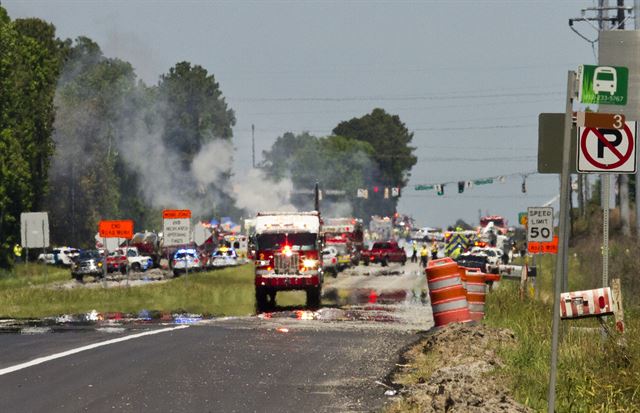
287, 256
384, 252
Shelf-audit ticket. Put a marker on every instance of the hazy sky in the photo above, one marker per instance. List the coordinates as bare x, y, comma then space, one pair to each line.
469, 78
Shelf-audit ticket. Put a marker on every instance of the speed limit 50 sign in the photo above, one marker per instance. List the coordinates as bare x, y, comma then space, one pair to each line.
540, 224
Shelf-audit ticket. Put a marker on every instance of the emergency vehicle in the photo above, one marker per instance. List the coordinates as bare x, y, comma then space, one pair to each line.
287, 256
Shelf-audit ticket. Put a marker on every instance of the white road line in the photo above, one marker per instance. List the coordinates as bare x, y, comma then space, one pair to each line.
41, 360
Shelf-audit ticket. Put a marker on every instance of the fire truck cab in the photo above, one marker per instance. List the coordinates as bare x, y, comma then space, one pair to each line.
287, 256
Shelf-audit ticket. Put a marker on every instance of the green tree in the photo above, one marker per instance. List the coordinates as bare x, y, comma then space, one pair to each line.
195, 111
336, 162
393, 154
85, 180
30, 58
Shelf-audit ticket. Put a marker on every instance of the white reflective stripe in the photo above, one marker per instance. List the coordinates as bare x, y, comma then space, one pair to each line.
475, 307
289, 275
448, 282
457, 304
476, 288
77, 350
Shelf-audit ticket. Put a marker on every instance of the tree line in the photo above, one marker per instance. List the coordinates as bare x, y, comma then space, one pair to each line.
83, 138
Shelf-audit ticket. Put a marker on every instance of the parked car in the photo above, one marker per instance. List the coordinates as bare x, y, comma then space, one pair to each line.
330, 260
59, 256
88, 262
384, 252
479, 261
494, 255
119, 259
224, 257
186, 259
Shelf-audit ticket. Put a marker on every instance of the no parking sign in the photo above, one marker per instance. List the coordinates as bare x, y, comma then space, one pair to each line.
604, 150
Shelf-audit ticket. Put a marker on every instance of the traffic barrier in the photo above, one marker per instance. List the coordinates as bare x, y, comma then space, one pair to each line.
476, 293
448, 297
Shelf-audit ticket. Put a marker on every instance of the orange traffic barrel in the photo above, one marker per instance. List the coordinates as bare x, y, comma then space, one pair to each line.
476, 293
448, 297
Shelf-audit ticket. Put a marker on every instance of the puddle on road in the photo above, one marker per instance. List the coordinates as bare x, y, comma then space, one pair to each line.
111, 322
362, 304
360, 296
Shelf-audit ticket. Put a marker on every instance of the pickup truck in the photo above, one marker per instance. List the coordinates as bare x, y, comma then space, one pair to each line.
118, 260
384, 252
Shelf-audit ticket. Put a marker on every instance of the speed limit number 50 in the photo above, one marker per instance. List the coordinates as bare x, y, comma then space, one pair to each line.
540, 224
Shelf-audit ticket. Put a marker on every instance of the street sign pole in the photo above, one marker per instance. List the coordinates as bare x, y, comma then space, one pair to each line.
562, 259
606, 193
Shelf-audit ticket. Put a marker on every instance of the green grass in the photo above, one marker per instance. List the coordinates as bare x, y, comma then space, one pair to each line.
594, 374
227, 292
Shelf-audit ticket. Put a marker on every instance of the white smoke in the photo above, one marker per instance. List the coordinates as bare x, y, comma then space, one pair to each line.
336, 209
214, 159
254, 192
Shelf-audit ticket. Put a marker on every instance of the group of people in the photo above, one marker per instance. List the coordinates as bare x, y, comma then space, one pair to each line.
424, 253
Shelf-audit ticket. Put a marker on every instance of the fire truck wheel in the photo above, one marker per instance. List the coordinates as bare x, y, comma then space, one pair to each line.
261, 299
123, 269
365, 262
313, 297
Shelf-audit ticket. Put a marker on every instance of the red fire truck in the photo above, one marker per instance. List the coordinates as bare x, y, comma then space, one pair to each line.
345, 232
287, 256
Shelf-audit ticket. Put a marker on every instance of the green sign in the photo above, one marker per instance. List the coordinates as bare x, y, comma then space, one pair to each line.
604, 85
522, 218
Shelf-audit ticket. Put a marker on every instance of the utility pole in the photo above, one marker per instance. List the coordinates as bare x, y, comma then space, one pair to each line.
253, 146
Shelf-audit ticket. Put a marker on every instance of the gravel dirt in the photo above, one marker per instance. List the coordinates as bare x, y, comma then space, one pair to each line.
448, 371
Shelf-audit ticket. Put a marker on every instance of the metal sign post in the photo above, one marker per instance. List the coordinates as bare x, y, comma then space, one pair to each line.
606, 191
562, 259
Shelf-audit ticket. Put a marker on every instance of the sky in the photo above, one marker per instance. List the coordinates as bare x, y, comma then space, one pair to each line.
468, 78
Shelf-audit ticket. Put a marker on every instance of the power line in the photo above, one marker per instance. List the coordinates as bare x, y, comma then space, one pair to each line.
462, 195
391, 98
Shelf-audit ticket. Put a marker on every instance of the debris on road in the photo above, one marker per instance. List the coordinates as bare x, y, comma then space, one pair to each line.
448, 372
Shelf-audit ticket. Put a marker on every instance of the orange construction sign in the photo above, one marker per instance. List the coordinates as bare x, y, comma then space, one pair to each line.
176, 213
544, 247
116, 229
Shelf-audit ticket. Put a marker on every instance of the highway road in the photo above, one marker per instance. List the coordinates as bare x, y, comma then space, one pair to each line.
334, 359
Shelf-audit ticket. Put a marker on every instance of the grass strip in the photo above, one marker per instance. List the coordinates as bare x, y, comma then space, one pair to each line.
225, 292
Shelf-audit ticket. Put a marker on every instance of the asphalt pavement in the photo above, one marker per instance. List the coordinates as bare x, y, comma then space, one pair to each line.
335, 359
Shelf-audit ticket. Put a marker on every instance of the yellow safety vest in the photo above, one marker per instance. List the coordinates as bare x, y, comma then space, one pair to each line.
17, 250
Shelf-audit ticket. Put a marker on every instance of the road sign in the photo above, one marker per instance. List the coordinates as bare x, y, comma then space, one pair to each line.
34, 229
600, 120
539, 224
116, 229
522, 218
607, 150
605, 85
176, 213
550, 132
543, 247
176, 227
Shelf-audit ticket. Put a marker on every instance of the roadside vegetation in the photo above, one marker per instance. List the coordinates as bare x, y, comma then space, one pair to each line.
28, 292
596, 372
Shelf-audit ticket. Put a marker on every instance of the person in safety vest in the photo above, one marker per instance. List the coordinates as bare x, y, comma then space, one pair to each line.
424, 255
17, 251
434, 251
414, 256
